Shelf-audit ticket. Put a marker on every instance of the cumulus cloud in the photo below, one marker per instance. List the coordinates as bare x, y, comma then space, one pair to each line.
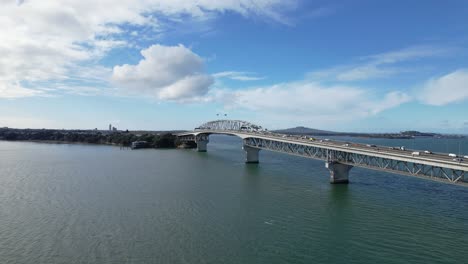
47, 40
450, 88
166, 72
305, 100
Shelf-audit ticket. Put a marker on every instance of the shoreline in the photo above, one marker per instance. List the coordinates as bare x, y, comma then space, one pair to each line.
81, 143
121, 139
61, 142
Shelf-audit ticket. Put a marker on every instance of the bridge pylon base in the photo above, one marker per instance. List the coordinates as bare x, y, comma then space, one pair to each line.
338, 172
202, 145
251, 154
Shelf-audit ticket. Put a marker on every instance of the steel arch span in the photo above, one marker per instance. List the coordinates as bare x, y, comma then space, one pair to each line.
228, 125
339, 156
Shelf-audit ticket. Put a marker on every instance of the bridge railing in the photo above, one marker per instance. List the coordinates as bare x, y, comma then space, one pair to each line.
371, 161
372, 158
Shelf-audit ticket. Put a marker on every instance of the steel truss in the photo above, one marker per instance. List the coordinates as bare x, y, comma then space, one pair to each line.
194, 138
229, 125
361, 160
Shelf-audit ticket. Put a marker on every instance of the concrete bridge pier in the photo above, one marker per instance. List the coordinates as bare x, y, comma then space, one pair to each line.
251, 154
202, 140
338, 172
202, 145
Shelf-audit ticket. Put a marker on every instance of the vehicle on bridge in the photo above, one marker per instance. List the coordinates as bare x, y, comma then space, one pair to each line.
339, 157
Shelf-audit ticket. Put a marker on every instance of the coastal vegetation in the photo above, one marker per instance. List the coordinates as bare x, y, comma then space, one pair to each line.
121, 138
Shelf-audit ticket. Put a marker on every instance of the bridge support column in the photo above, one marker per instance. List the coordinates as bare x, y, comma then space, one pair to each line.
202, 145
251, 154
338, 172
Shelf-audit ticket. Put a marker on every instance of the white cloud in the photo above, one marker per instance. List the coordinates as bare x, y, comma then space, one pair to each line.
379, 65
311, 102
166, 72
15, 90
365, 72
238, 76
410, 53
46, 40
450, 88
186, 88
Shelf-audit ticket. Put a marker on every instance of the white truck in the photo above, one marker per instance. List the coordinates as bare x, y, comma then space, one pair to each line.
416, 153
453, 155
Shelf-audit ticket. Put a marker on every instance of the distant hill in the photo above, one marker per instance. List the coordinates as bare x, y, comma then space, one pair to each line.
402, 135
305, 131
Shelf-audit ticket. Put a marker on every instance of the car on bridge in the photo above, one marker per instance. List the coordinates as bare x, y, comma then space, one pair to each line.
441, 166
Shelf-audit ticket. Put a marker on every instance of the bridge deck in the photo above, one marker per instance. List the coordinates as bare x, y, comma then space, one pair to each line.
380, 151
432, 160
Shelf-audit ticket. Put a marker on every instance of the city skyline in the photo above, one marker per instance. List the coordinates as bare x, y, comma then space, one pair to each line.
162, 65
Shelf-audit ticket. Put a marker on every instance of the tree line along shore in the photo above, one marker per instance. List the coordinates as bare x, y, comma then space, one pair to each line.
120, 138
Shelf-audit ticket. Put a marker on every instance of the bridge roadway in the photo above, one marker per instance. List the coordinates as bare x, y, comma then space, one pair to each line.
341, 156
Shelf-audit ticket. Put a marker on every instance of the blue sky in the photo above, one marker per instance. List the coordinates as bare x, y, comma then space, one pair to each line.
380, 66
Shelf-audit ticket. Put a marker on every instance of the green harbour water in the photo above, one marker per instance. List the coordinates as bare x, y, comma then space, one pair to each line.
69, 203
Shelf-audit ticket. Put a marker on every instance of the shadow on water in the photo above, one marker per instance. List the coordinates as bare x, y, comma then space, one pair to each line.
251, 178
339, 224
252, 169
339, 196
339, 204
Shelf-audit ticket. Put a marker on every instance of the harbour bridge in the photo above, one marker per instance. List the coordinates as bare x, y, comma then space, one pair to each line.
339, 156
